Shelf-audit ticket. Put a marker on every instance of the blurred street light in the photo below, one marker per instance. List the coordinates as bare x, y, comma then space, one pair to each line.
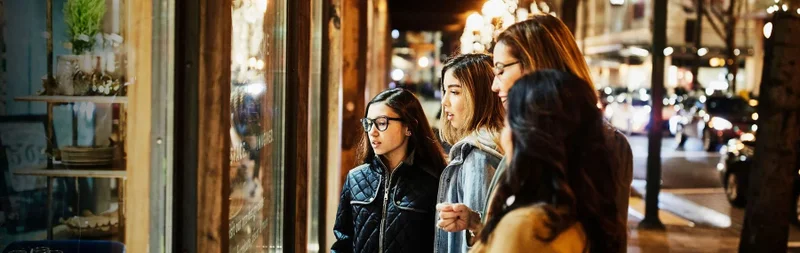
702, 51
768, 30
397, 75
668, 51
424, 62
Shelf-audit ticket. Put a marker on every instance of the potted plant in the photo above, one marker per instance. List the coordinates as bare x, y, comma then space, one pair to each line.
84, 19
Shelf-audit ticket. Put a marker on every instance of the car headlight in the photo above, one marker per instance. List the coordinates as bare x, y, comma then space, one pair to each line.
720, 123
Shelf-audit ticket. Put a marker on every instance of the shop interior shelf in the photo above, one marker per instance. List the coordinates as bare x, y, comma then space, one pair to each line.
72, 99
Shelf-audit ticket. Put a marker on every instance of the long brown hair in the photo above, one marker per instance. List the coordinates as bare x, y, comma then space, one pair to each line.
544, 42
483, 108
427, 151
560, 160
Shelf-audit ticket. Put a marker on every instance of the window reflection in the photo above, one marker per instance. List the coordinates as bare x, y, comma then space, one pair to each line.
256, 177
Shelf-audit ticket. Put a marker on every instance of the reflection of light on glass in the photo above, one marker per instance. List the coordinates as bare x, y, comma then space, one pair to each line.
709, 91
668, 51
754, 128
395, 34
260, 65
737, 52
397, 74
424, 62
768, 30
720, 166
702, 99
240, 58
785, 7
610, 99
255, 88
702, 51
607, 90
620, 98
754, 116
617, 2
753, 102
261, 5
252, 62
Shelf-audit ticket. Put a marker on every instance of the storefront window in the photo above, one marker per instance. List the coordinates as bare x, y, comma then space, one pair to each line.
63, 126
256, 171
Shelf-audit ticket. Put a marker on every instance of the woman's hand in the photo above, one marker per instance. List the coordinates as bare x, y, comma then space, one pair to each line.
457, 217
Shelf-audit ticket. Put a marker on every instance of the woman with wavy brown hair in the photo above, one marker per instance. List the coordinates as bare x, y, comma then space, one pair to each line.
553, 196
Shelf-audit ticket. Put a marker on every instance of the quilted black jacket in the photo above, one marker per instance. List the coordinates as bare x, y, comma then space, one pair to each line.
369, 220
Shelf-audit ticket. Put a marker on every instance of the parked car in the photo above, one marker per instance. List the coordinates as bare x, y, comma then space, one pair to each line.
716, 120
630, 112
735, 167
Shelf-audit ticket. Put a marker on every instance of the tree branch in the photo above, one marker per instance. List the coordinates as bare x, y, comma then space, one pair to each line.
714, 25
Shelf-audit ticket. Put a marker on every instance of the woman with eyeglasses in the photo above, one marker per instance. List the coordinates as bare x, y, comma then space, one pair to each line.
472, 118
544, 42
387, 203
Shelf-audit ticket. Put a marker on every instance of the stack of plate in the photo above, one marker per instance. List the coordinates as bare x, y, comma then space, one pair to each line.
87, 156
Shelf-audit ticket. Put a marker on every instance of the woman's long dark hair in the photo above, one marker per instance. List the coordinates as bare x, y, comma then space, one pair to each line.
427, 150
560, 160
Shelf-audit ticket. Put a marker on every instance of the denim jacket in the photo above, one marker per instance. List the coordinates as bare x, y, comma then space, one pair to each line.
466, 180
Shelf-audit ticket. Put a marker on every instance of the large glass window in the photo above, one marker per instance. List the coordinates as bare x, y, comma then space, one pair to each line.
257, 93
63, 126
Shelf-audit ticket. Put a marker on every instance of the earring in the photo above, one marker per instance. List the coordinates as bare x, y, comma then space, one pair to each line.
408, 133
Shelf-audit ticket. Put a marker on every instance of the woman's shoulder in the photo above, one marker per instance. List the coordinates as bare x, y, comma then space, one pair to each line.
535, 219
359, 171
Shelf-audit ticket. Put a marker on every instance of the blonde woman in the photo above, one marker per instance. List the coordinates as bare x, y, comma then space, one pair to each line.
472, 117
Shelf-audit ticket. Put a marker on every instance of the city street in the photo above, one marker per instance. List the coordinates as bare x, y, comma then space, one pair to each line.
692, 187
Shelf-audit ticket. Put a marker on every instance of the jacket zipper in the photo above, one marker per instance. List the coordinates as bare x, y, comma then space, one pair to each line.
385, 202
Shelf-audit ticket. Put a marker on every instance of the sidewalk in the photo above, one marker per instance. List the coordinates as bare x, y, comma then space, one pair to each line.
678, 238
681, 234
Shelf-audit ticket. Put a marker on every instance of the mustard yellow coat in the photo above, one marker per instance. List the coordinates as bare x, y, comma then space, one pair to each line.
520, 230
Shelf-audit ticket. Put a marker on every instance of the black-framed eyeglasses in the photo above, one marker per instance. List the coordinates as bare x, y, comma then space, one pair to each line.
499, 67
382, 122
